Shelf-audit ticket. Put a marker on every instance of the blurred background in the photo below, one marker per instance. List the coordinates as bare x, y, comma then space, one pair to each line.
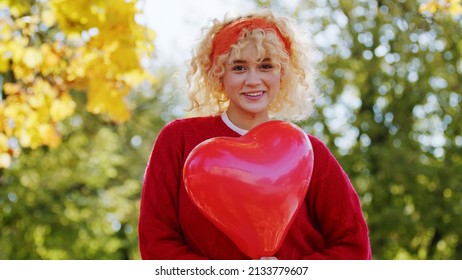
85, 86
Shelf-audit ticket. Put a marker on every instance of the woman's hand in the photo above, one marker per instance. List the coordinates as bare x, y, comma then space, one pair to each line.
268, 258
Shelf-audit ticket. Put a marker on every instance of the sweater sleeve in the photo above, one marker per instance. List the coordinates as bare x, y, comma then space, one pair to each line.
337, 213
159, 231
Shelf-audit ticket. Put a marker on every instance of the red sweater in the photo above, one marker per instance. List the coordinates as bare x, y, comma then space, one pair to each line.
329, 225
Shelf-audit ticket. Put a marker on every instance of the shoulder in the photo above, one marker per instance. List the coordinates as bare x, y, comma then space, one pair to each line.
188, 131
324, 161
191, 122
319, 147
179, 126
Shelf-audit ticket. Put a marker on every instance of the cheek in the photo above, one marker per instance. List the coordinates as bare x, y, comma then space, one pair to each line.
225, 84
225, 81
276, 82
230, 82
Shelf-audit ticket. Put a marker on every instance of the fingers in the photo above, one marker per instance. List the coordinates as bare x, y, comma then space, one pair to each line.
268, 258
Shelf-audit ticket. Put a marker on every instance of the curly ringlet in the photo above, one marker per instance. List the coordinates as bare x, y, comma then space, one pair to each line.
294, 101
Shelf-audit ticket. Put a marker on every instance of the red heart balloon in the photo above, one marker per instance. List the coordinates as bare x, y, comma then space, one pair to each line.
251, 187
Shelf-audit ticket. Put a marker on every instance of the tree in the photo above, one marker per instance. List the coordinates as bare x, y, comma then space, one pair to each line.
75, 197
80, 200
49, 49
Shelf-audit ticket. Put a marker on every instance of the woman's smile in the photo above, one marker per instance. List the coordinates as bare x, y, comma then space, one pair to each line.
254, 95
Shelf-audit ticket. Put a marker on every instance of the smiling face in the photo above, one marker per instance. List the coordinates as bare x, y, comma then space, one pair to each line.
251, 84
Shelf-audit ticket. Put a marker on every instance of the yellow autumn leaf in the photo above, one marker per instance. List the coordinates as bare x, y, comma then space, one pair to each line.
29, 137
32, 57
2, 118
18, 44
76, 70
99, 13
11, 88
125, 58
48, 18
5, 36
25, 74
50, 58
62, 107
96, 96
16, 113
10, 110
36, 100
16, 47
455, 7
104, 98
3, 143
49, 136
4, 64
73, 17
19, 8
89, 55
136, 77
119, 111
43, 87
36, 132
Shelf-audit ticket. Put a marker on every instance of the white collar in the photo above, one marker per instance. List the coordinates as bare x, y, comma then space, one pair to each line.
228, 122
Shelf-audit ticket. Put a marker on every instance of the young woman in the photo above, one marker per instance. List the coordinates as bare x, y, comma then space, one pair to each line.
246, 71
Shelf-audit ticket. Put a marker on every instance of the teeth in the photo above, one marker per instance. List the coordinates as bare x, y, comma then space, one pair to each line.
254, 93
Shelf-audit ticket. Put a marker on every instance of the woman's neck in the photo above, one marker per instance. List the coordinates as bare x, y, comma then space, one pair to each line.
247, 121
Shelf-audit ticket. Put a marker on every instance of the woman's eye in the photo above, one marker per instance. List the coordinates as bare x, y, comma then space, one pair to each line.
238, 68
266, 66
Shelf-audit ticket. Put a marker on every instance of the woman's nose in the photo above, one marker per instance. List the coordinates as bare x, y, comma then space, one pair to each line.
252, 78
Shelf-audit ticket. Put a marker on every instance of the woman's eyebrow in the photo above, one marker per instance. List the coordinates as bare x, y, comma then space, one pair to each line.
239, 61
242, 61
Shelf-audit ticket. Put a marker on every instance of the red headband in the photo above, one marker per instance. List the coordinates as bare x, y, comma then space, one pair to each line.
231, 33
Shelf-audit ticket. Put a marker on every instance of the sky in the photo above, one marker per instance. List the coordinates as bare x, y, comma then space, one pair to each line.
178, 23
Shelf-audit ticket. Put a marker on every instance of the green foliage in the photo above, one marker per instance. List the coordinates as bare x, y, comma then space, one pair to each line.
81, 199
391, 112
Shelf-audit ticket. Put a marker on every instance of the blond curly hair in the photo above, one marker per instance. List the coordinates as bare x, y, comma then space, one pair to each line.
294, 101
